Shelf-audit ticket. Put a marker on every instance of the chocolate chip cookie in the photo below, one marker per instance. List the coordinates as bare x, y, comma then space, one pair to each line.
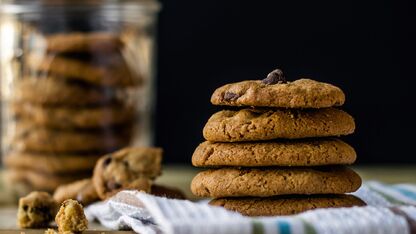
265, 182
50, 163
309, 152
275, 92
97, 42
36, 210
285, 205
40, 181
81, 190
65, 117
266, 124
110, 70
133, 168
54, 91
29, 137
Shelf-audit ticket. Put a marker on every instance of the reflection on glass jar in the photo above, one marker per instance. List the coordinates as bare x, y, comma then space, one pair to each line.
76, 83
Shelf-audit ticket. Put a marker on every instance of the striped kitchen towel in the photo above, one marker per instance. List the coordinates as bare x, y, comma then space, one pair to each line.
391, 209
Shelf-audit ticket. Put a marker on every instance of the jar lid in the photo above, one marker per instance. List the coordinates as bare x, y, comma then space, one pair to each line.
32, 6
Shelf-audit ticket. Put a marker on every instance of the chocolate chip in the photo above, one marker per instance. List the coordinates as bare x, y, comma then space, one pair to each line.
228, 96
275, 77
25, 207
126, 163
112, 185
107, 161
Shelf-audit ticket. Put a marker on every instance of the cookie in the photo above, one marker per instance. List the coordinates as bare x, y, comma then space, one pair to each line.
168, 192
71, 217
36, 210
302, 93
55, 91
40, 181
109, 70
265, 182
133, 168
82, 190
266, 124
285, 205
74, 117
50, 164
29, 137
98, 42
308, 152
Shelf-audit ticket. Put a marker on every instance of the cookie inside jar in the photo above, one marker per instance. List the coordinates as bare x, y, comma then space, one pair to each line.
79, 85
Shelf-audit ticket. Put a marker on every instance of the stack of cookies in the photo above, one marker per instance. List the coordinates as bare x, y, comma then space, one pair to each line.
278, 153
70, 107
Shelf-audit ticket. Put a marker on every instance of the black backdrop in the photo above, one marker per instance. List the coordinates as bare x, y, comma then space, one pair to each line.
365, 47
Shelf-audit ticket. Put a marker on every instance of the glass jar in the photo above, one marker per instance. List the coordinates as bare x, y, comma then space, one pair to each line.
76, 83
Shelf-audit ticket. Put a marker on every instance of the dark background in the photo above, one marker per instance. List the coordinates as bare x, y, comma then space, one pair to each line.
365, 47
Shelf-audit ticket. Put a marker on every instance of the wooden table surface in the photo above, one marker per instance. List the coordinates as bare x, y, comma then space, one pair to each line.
181, 176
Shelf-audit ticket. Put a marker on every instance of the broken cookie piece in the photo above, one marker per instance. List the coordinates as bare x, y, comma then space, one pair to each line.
129, 168
81, 190
71, 217
36, 210
50, 231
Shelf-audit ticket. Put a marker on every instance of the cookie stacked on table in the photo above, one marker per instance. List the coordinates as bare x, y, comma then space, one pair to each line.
68, 108
277, 152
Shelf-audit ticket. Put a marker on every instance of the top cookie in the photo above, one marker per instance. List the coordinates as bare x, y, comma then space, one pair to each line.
83, 42
303, 93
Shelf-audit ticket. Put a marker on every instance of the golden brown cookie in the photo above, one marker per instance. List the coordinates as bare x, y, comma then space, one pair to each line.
71, 217
55, 91
265, 182
109, 70
40, 181
265, 124
29, 137
308, 152
302, 93
50, 163
81, 190
285, 205
36, 210
87, 194
133, 168
65, 117
83, 42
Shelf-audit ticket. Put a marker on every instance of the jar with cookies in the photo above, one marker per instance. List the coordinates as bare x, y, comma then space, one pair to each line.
77, 82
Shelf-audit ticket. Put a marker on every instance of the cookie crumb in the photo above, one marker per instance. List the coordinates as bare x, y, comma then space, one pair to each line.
50, 231
71, 217
36, 210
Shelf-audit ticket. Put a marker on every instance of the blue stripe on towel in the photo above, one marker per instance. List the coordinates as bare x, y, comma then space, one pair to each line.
283, 227
405, 192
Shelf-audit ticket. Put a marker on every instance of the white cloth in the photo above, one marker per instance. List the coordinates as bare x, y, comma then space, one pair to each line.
391, 209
